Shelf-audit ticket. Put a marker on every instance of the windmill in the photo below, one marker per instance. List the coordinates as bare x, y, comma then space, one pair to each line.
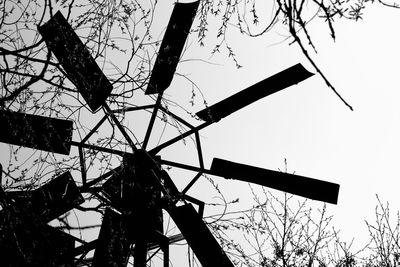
137, 191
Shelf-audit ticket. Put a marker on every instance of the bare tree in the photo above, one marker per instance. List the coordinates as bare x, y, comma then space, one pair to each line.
384, 247
117, 34
257, 18
277, 232
287, 232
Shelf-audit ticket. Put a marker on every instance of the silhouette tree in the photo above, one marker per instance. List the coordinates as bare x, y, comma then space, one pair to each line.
282, 231
118, 37
257, 18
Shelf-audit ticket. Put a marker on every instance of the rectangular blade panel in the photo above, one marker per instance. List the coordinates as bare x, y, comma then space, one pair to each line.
199, 237
290, 183
31, 243
171, 47
113, 246
273, 84
133, 190
38, 132
80, 67
52, 200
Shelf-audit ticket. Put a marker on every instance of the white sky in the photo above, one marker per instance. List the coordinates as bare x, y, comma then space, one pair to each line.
307, 123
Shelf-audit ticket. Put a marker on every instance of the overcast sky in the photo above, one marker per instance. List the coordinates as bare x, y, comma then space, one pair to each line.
307, 124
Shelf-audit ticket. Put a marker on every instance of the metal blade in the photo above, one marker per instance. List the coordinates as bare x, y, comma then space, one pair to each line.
80, 67
113, 245
273, 84
290, 183
49, 134
26, 240
199, 237
51, 200
30, 245
171, 47
133, 190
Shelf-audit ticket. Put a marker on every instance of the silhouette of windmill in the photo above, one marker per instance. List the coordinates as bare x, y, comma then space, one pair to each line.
139, 189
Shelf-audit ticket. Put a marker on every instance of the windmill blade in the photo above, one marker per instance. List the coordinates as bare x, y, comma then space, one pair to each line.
27, 244
129, 195
133, 189
38, 132
51, 200
273, 84
134, 192
171, 47
113, 245
290, 183
26, 240
199, 237
80, 67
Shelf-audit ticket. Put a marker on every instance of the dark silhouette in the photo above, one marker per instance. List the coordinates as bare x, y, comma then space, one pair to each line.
273, 84
171, 47
78, 64
133, 195
38, 132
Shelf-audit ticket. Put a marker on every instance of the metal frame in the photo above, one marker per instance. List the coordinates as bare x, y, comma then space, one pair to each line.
202, 242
